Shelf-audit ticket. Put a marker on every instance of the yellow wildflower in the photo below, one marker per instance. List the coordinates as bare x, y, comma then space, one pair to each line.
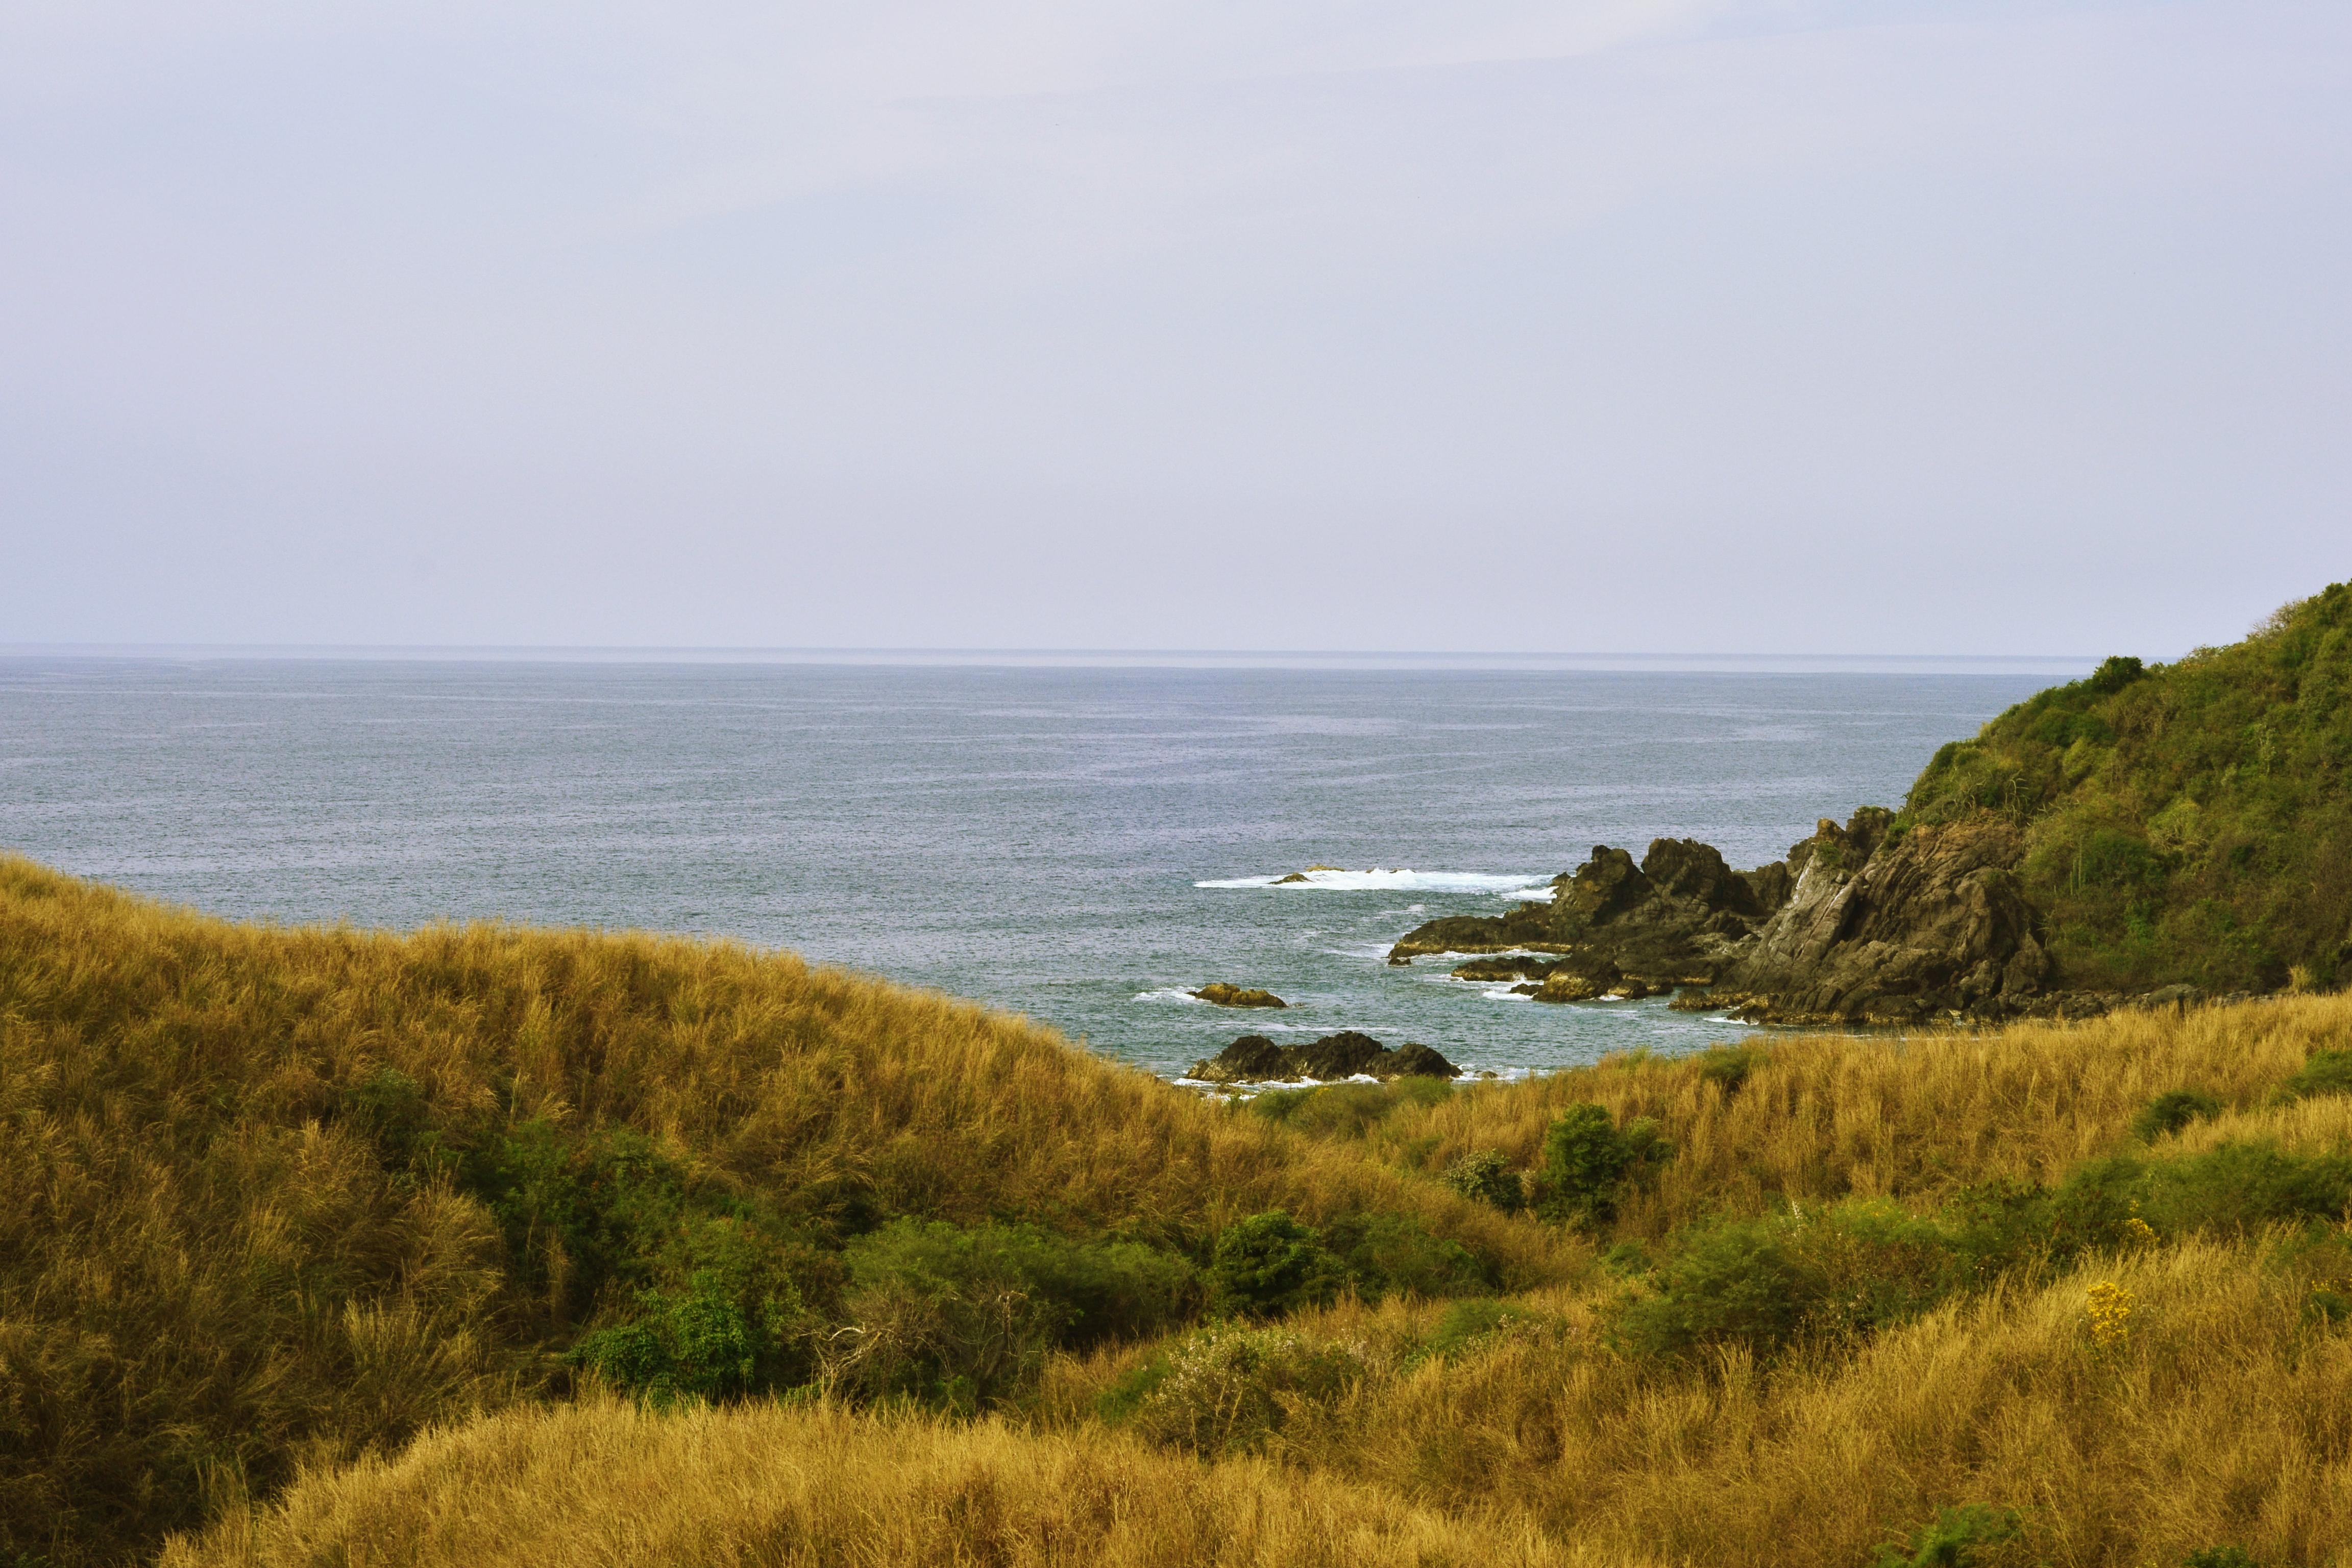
2109, 1307
2138, 1232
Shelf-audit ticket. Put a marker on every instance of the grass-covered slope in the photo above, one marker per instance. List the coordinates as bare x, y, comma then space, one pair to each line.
2071, 1294
2184, 821
271, 1197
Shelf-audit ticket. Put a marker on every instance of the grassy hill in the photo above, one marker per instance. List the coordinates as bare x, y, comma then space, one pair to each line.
276, 1197
2183, 822
490, 1245
2070, 1294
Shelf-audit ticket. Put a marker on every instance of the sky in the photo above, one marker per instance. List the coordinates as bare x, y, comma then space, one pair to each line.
1793, 326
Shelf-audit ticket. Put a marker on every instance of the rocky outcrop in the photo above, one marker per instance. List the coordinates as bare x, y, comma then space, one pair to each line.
1254, 1058
1861, 924
1224, 995
1671, 920
1879, 931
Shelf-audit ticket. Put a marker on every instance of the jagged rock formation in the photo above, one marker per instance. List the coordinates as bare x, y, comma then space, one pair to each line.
1254, 1058
1861, 923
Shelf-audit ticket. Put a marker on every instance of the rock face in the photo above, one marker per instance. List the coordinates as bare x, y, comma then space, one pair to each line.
1671, 920
1254, 1058
1226, 995
1858, 925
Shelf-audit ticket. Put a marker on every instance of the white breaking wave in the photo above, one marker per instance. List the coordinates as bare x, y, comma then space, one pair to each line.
1380, 880
1170, 993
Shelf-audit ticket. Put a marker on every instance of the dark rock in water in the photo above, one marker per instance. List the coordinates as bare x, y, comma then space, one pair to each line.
1343, 1055
1226, 995
1294, 877
1254, 1058
1414, 1059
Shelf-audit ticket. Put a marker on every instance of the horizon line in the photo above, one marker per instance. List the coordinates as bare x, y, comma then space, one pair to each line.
621, 653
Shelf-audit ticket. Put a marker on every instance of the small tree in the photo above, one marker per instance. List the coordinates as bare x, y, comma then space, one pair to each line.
1588, 1160
1270, 1263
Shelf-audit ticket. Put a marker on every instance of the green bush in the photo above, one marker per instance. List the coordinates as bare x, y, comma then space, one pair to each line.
579, 1211
745, 1317
2220, 1557
2327, 1072
1269, 1263
1964, 1537
1227, 1389
959, 1318
2169, 1112
1486, 1177
1588, 1161
1391, 1254
1765, 1284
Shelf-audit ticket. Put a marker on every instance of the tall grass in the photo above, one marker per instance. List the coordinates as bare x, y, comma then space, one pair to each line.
210, 1270
2223, 1416
819, 1486
224, 1298
1818, 1117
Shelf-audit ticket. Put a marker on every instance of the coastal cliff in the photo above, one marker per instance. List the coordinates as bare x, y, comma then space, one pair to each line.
2151, 832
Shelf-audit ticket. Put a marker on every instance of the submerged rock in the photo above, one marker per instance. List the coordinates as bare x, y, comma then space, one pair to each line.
1254, 1058
1226, 995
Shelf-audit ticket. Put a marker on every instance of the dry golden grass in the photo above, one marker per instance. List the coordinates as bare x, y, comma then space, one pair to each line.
2224, 1417
610, 1484
765, 1070
205, 1273
1826, 1116
207, 1281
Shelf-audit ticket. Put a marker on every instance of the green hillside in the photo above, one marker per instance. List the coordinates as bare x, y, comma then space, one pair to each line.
2189, 822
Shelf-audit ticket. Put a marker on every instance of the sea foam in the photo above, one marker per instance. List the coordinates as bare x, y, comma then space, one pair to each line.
1380, 880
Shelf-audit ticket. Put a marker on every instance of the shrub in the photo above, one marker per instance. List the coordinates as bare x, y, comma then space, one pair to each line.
1227, 1388
1764, 1284
2327, 1072
744, 1319
1486, 1177
2169, 1112
578, 1210
1962, 1537
2220, 1557
960, 1317
1386, 1254
1587, 1161
1269, 1263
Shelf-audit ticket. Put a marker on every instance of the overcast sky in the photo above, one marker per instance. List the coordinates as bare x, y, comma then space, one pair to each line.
2001, 326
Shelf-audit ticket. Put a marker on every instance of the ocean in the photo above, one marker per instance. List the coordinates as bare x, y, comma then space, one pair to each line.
1083, 845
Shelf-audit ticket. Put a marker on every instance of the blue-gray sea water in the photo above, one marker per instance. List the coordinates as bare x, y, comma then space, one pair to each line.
1081, 844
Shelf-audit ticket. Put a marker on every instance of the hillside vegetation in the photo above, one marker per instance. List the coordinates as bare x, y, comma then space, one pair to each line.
491, 1247
274, 1197
2183, 822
